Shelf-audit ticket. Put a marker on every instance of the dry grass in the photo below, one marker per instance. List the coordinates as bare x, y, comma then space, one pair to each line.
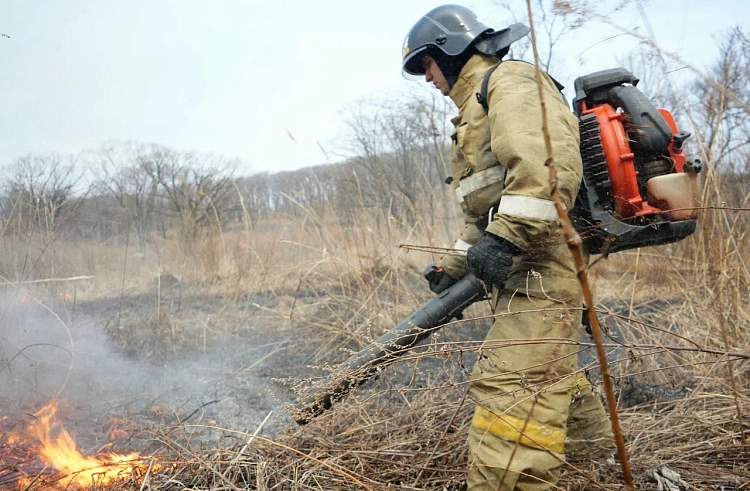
678, 343
388, 443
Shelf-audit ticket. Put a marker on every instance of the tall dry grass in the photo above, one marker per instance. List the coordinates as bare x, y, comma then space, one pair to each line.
676, 319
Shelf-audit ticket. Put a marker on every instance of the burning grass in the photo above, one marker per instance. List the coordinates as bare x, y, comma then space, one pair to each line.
384, 445
42, 454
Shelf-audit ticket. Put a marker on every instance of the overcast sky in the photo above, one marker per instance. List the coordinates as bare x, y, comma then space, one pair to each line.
238, 77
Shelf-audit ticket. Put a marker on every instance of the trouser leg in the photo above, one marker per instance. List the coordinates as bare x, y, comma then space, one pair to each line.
589, 427
522, 385
529, 470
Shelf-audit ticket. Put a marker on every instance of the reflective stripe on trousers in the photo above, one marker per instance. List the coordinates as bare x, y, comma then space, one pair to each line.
515, 429
534, 435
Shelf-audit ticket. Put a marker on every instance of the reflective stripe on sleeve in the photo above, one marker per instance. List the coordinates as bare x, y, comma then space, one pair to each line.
509, 428
516, 205
480, 180
462, 246
460, 196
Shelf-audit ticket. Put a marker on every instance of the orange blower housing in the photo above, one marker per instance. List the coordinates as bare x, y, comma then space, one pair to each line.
638, 189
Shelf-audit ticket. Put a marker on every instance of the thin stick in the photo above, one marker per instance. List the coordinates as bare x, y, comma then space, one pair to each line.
437, 444
575, 245
47, 280
263, 358
148, 473
255, 434
198, 409
28, 487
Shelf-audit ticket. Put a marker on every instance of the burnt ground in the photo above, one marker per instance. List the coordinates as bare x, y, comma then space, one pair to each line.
187, 359
639, 389
182, 363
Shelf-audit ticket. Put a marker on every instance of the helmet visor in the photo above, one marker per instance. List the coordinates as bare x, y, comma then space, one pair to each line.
412, 66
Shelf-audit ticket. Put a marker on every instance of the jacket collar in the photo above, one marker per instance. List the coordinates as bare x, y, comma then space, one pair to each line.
470, 78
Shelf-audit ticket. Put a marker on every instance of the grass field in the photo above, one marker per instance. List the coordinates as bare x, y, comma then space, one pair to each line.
676, 318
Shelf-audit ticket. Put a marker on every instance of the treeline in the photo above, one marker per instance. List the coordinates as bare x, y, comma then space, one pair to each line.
116, 190
397, 162
394, 161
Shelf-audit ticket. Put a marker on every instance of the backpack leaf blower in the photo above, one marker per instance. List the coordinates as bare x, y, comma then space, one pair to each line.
638, 189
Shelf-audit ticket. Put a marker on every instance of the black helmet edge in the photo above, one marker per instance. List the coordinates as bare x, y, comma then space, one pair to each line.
497, 42
448, 28
451, 30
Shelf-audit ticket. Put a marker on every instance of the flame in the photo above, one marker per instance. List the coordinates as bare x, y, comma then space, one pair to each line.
56, 449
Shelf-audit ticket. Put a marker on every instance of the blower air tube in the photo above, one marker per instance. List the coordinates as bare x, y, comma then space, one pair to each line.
408, 333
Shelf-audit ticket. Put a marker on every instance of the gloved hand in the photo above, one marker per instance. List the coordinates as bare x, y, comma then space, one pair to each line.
491, 258
438, 279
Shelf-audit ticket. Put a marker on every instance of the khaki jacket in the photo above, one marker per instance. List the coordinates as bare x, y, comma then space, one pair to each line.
497, 159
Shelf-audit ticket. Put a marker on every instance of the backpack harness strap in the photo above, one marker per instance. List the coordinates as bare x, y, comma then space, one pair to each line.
482, 94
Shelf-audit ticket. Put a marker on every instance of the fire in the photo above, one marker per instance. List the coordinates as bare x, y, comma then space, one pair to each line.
56, 450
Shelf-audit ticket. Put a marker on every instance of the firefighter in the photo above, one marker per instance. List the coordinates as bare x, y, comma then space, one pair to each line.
532, 402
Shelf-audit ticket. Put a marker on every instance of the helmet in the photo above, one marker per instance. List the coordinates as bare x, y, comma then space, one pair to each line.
449, 28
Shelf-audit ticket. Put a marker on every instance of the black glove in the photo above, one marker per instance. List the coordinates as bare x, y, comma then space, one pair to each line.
491, 258
438, 279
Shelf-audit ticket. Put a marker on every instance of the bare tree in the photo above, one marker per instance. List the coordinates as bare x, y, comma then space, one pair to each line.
722, 102
40, 190
553, 25
400, 146
195, 186
157, 187
122, 175
256, 191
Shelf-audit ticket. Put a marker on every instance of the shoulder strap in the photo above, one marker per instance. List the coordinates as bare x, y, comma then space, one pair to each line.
482, 94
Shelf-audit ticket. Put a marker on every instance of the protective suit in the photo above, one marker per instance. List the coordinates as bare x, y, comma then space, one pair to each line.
532, 403
523, 388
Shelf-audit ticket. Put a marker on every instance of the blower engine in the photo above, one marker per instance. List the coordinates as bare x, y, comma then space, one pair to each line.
638, 189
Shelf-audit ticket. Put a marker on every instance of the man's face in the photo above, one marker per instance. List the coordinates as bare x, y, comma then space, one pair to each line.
432, 73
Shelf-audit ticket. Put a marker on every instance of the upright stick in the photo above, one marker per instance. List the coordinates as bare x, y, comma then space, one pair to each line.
575, 244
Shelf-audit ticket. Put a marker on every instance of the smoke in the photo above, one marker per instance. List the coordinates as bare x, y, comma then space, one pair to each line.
45, 354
